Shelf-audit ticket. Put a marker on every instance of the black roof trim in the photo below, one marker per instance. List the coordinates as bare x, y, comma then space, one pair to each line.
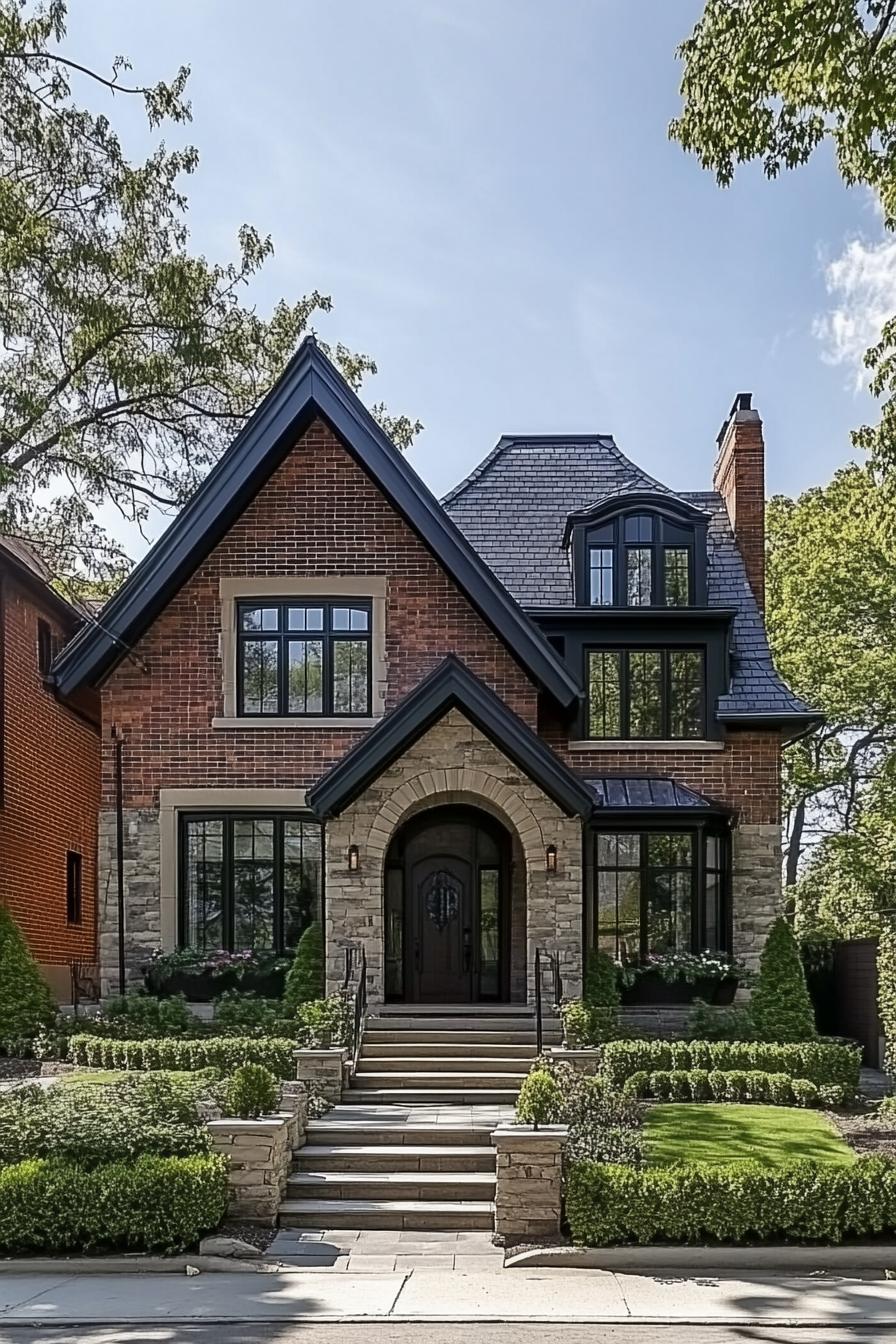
450, 686
791, 725
309, 386
659, 501
650, 795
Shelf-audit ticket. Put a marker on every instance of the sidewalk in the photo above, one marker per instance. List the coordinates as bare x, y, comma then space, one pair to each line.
422, 1294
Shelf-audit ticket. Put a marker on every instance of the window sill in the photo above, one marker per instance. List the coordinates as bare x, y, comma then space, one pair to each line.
647, 744
253, 724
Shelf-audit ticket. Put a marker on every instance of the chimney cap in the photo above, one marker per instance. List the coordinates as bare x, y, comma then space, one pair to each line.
742, 402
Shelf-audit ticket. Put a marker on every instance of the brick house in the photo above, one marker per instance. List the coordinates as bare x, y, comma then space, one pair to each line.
49, 773
542, 713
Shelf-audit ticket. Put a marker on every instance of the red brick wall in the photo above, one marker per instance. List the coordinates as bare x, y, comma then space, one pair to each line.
318, 514
51, 768
740, 479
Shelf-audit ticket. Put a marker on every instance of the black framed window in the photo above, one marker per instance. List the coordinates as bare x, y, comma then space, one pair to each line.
659, 891
640, 560
73, 887
600, 572
304, 659
248, 880
646, 693
46, 647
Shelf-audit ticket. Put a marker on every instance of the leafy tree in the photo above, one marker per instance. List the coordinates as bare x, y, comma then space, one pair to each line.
127, 363
25, 1003
831, 593
773, 81
305, 977
780, 1007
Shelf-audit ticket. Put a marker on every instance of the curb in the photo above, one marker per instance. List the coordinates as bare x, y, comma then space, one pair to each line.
705, 1261
137, 1264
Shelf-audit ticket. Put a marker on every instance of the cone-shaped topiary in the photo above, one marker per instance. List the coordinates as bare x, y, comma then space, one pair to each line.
600, 989
25, 1002
780, 1007
305, 978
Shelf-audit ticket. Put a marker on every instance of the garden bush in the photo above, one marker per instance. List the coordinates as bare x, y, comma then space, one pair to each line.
587, 1024
26, 1006
218, 1052
741, 1085
95, 1123
540, 1099
139, 1016
240, 1014
252, 1091
825, 1063
691, 1204
322, 1022
305, 977
732, 1023
780, 1006
152, 1204
603, 1124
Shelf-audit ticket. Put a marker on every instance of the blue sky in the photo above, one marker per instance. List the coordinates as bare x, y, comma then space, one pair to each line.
487, 190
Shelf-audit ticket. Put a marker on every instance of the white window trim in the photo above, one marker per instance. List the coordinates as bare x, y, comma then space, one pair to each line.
233, 590
174, 801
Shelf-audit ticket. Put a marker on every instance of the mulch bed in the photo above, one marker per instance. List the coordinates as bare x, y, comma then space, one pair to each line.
255, 1233
14, 1069
867, 1132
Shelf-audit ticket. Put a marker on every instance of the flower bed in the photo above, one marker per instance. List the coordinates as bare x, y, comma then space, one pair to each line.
821, 1062
151, 1204
202, 976
217, 1052
680, 977
741, 1202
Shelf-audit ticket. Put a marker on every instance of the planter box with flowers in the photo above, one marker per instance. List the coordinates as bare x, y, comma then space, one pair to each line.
202, 976
681, 977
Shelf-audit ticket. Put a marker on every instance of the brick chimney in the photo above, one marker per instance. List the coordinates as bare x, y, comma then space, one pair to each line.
739, 477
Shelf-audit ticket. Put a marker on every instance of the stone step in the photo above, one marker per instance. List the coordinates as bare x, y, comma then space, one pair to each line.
349, 1133
435, 1044
436, 1063
488, 1009
389, 1214
475, 1024
395, 1157
466, 1040
391, 1185
367, 1079
436, 1095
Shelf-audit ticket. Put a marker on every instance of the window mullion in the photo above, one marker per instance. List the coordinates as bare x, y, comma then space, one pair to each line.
666, 693
644, 873
227, 901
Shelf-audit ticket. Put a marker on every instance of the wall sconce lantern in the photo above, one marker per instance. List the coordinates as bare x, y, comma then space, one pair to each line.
353, 859
550, 858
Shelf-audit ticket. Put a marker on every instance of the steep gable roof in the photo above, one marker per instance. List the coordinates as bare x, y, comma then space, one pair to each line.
514, 508
309, 387
451, 686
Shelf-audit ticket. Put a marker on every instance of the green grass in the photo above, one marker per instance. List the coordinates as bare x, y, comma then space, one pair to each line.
105, 1076
715, 1134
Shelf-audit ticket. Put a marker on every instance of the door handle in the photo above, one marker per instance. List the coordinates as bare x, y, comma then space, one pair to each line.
468, 948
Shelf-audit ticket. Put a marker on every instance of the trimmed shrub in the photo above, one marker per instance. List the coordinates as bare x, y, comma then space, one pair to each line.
603, 1125
95, 1123
225, 1053
540, 1100
780, 1006
241, 1014
691, 1204
153, 1204
585, 1024
26, 1006
822, 1062
721, 1024
305, 977
740, 1085
322, 1022
252, 1091
600, 988
140, 1016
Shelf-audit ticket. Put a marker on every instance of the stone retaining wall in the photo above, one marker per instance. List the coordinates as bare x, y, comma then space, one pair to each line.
260, 1156
528, 1186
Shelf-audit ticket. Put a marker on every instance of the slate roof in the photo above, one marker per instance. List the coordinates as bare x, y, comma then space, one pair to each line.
646, 793
513, 509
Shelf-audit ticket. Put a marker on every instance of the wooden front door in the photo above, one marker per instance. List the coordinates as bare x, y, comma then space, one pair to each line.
441, 896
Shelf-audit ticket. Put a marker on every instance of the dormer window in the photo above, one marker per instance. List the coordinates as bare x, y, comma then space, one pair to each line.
635, 556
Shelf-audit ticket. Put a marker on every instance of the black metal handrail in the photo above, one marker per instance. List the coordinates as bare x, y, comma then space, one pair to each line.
542, 958
354, 993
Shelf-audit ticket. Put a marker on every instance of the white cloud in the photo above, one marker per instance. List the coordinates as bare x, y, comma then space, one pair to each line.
862, 283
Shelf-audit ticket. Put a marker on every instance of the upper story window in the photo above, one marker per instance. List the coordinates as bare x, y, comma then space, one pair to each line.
46, 647
646, 693
637, 557
304, 659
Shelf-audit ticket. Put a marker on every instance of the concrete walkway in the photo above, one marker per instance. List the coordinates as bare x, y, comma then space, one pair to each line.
444, 1295
373, 1252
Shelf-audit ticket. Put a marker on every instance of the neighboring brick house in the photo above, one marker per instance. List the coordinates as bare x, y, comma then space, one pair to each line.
49, 774
542, 714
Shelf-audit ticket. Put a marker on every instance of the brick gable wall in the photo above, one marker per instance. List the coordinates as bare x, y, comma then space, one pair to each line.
318, 515
50, 797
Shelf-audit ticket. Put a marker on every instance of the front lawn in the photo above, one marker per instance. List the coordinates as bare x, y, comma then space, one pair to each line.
717, 1134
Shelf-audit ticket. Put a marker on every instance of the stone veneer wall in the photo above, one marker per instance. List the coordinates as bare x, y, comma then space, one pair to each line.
452, 763
142, 894
756, 887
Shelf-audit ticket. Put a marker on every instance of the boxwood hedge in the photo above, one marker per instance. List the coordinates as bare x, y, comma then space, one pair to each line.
807, 1201
821, 1062
772, 1089
152, 1204
222, 1052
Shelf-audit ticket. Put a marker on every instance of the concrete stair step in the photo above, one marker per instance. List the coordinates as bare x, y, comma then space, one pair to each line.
405, 1157
435, 1063
435, 1044
414, 1134
420, 1215
466, 1040
436, 1095
415, 1022
367, 1079
390, 1185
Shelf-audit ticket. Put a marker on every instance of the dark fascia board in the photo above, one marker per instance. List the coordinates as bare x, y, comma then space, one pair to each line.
791, 726
310, 386
646, 817
585, 615
452, 685
655, 500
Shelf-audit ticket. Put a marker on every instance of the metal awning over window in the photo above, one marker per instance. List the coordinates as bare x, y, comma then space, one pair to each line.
649, 793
